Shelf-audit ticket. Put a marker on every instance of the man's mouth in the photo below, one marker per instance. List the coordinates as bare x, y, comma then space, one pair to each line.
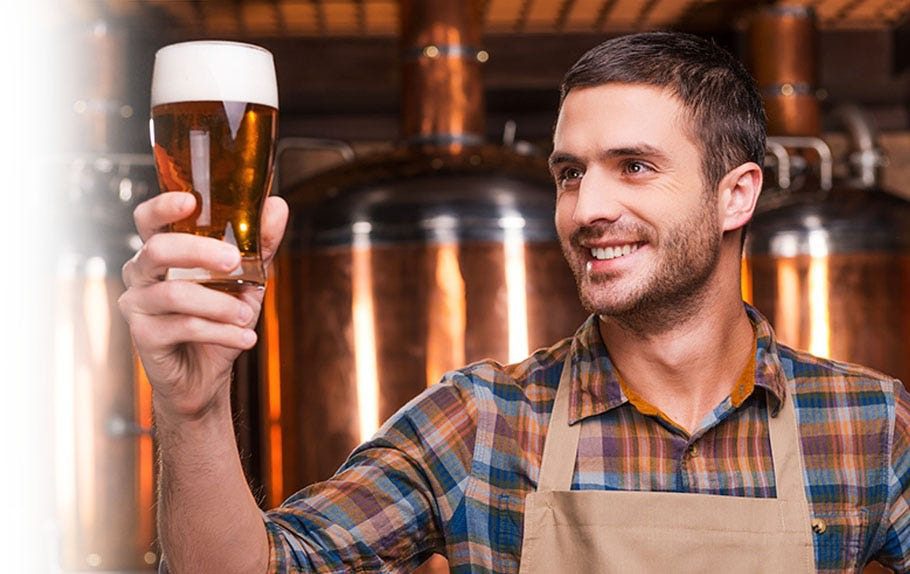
612, 252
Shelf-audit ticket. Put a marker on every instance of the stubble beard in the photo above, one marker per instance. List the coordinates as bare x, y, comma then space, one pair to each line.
673, 291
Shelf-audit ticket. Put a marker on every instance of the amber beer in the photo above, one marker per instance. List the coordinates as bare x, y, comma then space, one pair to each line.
213, 129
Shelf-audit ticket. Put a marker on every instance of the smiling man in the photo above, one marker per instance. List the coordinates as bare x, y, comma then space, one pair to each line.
671, 433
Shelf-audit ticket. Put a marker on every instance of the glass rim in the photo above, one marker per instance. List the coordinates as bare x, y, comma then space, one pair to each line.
213, 43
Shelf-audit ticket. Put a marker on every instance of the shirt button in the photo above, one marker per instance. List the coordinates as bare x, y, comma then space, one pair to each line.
692, 451
819, 526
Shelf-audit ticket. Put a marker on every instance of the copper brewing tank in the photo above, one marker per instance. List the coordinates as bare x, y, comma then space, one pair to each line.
401, 266
782, 42
829, 265
104, 456
831, 271
103, 449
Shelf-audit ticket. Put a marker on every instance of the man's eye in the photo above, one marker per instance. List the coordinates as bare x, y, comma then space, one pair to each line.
570, 173
636, 167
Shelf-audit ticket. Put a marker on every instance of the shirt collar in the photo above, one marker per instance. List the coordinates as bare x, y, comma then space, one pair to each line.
595, 382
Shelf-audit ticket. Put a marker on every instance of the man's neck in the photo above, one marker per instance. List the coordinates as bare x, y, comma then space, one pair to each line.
689, 369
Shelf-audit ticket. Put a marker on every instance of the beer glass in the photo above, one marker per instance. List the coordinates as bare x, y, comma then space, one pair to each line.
213, 128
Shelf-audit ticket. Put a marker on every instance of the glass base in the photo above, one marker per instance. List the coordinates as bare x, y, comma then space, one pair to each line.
249, 274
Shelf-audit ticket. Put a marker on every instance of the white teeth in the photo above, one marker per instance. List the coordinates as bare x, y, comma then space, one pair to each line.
605, 253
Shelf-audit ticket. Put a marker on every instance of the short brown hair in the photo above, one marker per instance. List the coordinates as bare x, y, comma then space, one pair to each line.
727, 117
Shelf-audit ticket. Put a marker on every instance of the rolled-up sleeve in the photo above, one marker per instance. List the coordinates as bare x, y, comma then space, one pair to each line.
383, 510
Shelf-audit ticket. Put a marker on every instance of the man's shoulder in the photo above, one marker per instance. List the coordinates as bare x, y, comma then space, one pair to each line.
540, 368
815, 378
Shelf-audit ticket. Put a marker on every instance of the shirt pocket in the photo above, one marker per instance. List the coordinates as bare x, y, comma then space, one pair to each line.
839, 535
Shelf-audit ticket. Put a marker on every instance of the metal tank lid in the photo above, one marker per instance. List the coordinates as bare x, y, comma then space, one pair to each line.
483, 193
842, 220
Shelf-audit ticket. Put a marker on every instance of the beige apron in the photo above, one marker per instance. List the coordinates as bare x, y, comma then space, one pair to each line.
624, 531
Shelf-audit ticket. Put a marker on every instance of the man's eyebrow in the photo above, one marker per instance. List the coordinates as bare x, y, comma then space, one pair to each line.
636, 150
557, 158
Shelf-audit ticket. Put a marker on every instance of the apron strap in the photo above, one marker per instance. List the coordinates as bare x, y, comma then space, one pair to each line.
788, 467
561, 443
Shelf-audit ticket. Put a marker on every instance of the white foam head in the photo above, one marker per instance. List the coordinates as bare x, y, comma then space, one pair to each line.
214, 71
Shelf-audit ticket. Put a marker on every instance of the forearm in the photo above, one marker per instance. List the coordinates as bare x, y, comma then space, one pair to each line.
208, 519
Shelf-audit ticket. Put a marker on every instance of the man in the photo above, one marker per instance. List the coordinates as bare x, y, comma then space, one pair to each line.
671, 433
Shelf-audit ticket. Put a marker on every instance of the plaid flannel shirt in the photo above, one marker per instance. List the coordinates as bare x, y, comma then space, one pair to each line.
449, 472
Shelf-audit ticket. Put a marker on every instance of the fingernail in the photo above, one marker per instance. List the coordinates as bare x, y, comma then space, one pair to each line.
249, 337
245, 314
230, 259
185, 201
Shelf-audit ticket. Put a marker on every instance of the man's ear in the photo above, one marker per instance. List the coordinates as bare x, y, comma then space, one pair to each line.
737, 195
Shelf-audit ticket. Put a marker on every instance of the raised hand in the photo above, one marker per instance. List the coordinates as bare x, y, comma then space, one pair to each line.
188, 335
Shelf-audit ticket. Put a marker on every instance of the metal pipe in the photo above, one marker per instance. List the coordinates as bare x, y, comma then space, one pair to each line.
866, 157
783, 163
826, 169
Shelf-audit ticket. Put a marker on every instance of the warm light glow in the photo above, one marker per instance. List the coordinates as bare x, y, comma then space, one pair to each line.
516, 295
273, 390
819, 322
746, 281
364, 336
146, 460
448, 316
243, 226
786, 317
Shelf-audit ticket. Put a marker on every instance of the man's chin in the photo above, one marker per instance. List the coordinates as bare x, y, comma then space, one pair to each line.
607, 306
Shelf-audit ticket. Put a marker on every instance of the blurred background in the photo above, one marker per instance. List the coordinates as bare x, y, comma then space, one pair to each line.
412, 146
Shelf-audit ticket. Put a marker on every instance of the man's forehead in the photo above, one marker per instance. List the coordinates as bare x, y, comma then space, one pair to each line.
620, 115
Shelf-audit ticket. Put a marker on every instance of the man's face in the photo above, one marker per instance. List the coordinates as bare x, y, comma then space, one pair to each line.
637, 226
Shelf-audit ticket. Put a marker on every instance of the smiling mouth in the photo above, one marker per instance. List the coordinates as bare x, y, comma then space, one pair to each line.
607, 253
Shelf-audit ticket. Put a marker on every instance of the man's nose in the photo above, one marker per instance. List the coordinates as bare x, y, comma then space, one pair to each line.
598, 199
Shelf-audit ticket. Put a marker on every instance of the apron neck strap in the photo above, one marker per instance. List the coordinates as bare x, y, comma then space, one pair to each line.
788, 463
561, 444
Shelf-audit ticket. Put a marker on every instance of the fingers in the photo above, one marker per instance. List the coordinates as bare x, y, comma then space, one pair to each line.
187, 298
156, 214
274, 223
163, 251
159, 334
170, 313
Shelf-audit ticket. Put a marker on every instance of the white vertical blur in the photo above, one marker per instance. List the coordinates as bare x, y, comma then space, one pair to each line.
64, 388
97, 310
516, 285
29, 71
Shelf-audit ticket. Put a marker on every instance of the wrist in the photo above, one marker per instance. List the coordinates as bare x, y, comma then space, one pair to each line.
191, 410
